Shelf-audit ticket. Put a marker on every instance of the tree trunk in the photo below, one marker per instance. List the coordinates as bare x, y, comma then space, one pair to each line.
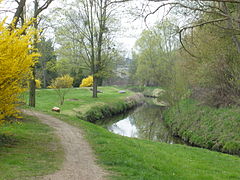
32, 88
18, 12
230, 25
95, 83
44, 76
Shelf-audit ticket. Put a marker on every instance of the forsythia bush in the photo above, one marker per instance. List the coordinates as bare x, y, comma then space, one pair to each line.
62, 85
65, 81
15, 66
38, 83
87, 82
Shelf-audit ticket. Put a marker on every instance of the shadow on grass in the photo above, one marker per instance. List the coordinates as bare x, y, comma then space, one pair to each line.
7, 140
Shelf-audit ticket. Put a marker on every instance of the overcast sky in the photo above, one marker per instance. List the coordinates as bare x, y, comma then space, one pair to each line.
130, 26
133, 26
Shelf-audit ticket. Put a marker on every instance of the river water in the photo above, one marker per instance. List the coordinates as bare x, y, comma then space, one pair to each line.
144, 122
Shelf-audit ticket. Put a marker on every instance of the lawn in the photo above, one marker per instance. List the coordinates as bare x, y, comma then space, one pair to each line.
77, 99
28, 148
140, 159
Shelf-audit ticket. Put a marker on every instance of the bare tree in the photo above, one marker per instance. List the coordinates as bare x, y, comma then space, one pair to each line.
88, 25
222, 13
19, 12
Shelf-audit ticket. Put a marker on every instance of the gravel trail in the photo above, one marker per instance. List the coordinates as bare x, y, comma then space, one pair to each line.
79, 162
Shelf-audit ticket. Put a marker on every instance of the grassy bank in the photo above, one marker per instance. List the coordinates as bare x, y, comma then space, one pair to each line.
136, 159
28, 148
105, 110
216, 129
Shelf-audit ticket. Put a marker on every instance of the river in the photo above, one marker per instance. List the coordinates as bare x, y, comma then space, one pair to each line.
145, 122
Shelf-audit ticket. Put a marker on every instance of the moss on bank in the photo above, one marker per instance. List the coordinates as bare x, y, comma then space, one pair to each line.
215, 129
105, 110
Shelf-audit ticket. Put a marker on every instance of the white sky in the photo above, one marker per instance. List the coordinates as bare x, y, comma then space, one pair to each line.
130, 26
133, 26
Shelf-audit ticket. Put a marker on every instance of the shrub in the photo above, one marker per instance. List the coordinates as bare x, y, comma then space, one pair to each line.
15, 66
62, 85
38, 83
87, 82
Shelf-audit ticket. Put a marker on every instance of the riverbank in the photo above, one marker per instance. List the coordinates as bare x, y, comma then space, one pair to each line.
129, 158
106, 110
211, 128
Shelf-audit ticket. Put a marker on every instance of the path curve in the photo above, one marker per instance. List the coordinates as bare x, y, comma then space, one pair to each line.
79, 162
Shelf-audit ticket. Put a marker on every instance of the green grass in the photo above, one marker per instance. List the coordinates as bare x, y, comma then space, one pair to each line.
135, 159
217, 129
28, 148
47, 98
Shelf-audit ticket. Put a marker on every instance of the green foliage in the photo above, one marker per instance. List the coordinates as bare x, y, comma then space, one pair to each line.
177, 87
46, 66
86, 38
154, 53
204, 126
77, 74
62, 85
62, 82
215, 70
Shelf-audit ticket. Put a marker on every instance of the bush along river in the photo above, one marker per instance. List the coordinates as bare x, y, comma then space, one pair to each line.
144, 122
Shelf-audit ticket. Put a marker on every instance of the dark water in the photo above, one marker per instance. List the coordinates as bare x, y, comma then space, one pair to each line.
144, 122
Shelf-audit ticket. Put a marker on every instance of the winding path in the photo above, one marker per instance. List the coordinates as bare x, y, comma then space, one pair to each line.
79, 163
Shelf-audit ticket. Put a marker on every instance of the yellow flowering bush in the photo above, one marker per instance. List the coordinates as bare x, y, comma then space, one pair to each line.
38, 83
15, 66
87, 82
62, 85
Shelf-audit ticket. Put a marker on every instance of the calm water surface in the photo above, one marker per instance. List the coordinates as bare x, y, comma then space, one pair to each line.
144, 122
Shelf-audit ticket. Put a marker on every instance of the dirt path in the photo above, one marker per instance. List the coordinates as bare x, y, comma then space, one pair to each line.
79, 163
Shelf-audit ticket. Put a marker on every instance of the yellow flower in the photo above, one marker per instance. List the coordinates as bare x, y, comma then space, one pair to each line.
87, 82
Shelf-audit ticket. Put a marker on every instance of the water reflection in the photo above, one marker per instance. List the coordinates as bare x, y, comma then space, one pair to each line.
145, 122
124, 127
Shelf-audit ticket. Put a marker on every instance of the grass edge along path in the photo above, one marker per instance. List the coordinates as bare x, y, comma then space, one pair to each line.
30, 149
